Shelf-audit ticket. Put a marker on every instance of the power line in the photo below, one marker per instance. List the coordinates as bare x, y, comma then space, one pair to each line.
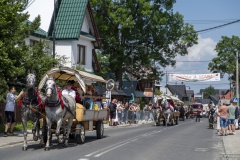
30, 2
216, 27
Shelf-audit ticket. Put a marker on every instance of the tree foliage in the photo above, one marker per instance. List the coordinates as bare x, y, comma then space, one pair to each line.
208, 92
16, 58
225, 62
140, 35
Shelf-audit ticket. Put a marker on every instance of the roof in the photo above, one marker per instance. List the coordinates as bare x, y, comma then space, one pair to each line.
70, 16
215, 99
179, 90
217, 91
40, 33
189, 93
118, 93
203, 101
69, 19
66, 74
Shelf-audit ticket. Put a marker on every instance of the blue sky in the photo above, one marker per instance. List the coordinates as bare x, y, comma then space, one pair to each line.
196, 12
205, 14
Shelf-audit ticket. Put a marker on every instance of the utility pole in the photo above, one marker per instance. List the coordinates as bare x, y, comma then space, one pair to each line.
54, 27
237, 79
166, 82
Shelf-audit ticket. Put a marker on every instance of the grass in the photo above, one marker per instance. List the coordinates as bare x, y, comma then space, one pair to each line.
18, 126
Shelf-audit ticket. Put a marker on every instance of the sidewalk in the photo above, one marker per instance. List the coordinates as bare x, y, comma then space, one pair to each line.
18, 137
231, 143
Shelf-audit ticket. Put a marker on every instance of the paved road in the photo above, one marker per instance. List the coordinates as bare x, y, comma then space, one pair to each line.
189, 140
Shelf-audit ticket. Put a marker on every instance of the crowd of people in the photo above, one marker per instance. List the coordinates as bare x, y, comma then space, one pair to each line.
227, 118
122, 113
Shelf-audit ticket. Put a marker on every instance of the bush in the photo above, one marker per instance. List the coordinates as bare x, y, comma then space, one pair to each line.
18, 126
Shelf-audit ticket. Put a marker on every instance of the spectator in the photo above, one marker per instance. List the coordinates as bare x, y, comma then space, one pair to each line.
10, 111
126, 107
138, 112
218, 120
211, 113
199, 110
112, 108
231, 117
223, 114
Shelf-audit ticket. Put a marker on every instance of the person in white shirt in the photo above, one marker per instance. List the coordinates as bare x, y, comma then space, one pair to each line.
68, 90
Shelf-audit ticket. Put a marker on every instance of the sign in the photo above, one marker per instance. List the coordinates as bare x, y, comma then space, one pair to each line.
195, 77
235, 100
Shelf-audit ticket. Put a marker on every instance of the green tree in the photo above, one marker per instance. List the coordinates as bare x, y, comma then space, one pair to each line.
16, 58
225, 62
208, 92
140, 34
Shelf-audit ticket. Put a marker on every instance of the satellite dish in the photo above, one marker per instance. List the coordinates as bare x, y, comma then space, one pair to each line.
110, 84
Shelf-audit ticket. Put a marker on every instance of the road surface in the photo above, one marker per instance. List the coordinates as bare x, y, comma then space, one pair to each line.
189, 140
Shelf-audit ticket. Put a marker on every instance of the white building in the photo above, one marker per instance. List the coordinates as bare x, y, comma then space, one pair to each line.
76, 34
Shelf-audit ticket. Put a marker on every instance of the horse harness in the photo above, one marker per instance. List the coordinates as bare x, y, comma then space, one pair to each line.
60, 101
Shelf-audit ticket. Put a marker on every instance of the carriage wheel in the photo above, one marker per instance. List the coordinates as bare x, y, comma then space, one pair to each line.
80, 136
100, 129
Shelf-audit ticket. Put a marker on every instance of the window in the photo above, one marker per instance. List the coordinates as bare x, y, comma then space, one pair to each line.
33, 42
81, 54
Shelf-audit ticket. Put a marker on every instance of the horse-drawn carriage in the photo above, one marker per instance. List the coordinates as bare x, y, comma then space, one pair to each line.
61, 113
84, 117
165, 110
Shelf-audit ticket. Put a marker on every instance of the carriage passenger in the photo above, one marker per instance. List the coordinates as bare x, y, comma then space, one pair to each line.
68, 90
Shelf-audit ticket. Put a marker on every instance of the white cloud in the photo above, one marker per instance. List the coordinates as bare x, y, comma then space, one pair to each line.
203, 51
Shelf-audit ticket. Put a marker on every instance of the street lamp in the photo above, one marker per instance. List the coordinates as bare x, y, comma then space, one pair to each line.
237, 78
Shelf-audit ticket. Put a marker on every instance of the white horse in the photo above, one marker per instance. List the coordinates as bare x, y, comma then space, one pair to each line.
31, 110
157, 109
168, 111
55, 111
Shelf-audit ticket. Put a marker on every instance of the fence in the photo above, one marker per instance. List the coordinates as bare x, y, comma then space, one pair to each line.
132, 117
2, 114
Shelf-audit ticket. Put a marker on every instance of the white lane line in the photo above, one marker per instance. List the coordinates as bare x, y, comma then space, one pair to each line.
83, 159
90, 154
98, 155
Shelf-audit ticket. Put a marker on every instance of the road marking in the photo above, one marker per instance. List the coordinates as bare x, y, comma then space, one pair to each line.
119, 144
98, 155
83, 159
201, 149
130, 139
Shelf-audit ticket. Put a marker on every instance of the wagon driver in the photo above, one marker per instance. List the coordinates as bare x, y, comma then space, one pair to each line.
68, 90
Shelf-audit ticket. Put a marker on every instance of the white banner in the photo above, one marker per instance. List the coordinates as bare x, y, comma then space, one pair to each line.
194, 77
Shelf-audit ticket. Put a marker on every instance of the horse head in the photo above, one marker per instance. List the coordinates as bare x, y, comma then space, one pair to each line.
31, 80
50, 87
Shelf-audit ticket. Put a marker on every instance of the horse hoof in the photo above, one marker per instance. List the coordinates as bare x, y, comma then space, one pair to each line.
47, 148
35, 138
65, 145
24, 148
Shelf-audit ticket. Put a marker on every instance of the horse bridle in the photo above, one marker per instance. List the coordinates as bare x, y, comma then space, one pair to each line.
31, 78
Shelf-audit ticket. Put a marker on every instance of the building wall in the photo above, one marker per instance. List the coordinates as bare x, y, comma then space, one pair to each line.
88, 53
85, 26
64, 48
